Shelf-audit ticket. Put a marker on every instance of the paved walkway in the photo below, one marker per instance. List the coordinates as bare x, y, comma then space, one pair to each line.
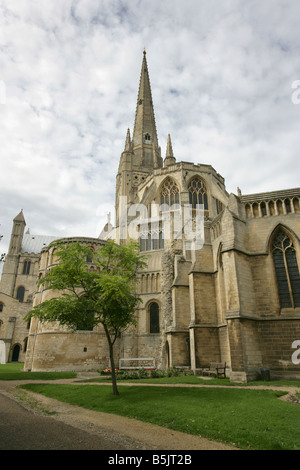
25, 424
25, 429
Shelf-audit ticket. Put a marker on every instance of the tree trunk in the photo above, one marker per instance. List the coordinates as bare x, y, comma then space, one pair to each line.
112, 363
113, 372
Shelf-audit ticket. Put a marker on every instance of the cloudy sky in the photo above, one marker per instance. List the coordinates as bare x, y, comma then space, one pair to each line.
222, 75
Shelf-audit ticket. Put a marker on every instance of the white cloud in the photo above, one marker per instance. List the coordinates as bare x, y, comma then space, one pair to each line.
221, 76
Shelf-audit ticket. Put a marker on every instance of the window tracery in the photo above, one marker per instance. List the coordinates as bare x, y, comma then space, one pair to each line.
287, 270
169, 194
198, 193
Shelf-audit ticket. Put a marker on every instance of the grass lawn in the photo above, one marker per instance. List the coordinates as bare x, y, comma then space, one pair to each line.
13, 371
197, 380
249, 419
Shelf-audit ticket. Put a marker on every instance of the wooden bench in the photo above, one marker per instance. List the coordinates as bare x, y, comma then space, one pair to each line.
218, 369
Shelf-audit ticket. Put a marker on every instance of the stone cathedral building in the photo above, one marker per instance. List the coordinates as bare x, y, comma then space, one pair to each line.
234, 297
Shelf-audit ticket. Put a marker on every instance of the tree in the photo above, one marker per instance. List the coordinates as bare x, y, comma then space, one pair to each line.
105, 295
2, 255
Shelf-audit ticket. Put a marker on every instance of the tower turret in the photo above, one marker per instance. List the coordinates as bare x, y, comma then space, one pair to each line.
17, 234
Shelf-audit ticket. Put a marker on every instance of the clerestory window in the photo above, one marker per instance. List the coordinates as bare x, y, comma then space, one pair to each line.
169, 195
287, 270
151, 237
198, 193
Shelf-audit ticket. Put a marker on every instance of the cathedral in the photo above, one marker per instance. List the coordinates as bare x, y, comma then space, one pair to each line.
222, 280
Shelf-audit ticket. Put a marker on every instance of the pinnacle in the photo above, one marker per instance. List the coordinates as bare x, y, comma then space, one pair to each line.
170, 159
169, 152
20, 217
127, 142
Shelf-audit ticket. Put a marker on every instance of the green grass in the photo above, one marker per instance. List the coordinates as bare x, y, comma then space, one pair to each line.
249, 419
197, 380
13, 371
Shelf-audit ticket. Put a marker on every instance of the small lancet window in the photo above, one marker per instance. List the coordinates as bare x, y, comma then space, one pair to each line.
26, 267
20, 293
147, 138
263, 209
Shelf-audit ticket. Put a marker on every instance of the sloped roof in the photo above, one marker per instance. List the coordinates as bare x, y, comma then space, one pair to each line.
35, 243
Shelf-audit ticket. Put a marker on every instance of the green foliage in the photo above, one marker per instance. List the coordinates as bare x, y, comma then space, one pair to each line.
143, 373
87, 297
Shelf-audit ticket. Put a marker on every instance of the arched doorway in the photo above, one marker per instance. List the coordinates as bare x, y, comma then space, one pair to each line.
16, 353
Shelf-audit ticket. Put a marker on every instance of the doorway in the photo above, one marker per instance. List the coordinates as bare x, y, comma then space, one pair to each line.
16, 353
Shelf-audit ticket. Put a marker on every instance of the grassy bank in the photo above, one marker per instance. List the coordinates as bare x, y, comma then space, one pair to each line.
13, 371
249, 419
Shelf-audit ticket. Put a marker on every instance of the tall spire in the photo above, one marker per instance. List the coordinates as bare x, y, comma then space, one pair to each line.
144, 135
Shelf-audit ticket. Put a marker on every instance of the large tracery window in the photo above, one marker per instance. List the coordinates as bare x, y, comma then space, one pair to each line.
198, 193
287, 270
169, 195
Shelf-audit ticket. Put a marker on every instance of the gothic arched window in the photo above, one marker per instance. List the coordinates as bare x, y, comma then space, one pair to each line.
154, 317
169, 194
26, 267
287, 270
198, 193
